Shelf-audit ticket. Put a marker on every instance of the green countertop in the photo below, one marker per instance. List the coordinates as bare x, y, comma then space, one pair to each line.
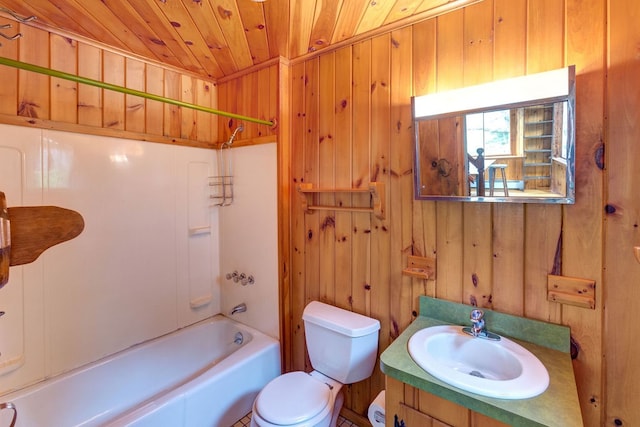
557, 406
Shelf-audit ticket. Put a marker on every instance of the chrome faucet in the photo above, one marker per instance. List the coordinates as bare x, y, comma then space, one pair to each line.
240, 308
477, 319
478, 328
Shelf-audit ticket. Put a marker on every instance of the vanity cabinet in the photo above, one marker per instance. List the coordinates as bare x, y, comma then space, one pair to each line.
419, 399
418, 408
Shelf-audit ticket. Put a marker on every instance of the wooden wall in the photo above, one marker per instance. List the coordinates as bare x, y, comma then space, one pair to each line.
31, 99
254, 94
351, 124
622, 210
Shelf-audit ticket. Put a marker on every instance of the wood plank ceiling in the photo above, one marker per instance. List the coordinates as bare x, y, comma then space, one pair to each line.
218, 38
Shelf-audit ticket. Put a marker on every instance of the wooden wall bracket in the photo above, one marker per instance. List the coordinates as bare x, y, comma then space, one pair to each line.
5, 241
420, 267
33, 229
572, 291
374, 189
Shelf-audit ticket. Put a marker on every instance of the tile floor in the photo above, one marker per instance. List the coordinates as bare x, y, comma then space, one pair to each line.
246, 420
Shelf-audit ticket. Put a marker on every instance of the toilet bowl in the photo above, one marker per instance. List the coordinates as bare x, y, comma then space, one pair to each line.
342, 348
298, 399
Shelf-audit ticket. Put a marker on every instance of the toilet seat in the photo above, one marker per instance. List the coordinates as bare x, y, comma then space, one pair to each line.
293, 398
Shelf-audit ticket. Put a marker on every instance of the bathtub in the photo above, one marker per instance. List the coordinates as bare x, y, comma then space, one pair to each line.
207, 374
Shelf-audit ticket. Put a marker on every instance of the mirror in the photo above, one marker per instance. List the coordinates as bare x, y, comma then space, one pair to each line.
506, 141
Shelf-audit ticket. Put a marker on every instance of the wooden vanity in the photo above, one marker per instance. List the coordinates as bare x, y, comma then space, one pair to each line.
421, 400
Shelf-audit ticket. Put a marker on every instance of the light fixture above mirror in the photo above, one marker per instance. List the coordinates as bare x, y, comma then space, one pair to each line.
505, 141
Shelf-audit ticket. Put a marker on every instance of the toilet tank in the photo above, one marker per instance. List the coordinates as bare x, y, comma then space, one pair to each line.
342, 345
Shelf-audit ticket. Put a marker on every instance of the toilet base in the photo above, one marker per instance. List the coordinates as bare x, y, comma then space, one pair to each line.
337, 406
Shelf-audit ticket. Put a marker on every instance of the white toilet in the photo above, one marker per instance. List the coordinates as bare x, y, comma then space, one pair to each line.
342, 347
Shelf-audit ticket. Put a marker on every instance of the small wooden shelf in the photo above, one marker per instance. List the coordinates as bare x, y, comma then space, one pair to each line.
375, 189
571, 290
420, 267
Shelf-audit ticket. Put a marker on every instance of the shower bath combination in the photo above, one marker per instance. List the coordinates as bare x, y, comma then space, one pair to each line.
222, 183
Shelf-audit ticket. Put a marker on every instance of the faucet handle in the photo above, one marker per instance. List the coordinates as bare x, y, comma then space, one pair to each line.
476, 315
233, 276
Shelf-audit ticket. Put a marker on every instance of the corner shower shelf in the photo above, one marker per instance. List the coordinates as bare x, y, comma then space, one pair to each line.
374, 189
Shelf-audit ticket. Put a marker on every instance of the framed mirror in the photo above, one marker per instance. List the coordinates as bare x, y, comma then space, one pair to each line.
505, 141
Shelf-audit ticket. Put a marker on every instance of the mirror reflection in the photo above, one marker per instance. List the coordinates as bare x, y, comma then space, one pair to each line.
517, 153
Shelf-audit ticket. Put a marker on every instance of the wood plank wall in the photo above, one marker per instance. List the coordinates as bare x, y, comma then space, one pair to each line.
622, 286
31, 99
351, 124
253, 94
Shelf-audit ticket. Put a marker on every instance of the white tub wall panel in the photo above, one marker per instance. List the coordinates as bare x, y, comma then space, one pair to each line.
115, 284
249, 238
200, 235
12, 329
21, 330
118, 283
198, 251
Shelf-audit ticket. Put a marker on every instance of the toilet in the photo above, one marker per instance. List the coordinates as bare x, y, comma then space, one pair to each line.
342, 347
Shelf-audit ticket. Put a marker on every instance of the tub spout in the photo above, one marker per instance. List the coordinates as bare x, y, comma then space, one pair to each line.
240, 308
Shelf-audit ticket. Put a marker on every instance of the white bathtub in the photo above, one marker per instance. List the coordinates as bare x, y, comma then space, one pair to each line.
197, 376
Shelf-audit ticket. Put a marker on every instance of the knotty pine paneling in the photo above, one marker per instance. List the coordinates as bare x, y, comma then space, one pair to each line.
622, 276
494, 256
64, 92
135, 78
32, 99
8, 76
253, 94
90, 97
582, 223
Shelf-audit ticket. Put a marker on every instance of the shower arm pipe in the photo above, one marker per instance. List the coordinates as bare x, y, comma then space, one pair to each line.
125, 90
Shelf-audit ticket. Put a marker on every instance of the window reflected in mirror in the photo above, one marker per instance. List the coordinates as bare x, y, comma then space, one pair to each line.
490, 131
522, 148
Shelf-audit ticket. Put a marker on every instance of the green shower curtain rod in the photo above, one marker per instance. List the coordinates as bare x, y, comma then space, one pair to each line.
109, 86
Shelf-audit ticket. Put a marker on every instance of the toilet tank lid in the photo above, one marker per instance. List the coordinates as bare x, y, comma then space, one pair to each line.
337, 319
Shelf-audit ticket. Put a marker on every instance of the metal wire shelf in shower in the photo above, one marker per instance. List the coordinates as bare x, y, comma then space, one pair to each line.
222, 183
221, 190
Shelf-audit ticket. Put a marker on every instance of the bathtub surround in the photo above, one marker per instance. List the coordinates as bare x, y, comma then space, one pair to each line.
138, 271
132, 273
249, 236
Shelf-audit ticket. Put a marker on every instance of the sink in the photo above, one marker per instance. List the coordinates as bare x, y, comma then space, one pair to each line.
502, 369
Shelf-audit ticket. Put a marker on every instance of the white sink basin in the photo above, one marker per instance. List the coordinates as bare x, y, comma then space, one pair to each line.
500, 369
